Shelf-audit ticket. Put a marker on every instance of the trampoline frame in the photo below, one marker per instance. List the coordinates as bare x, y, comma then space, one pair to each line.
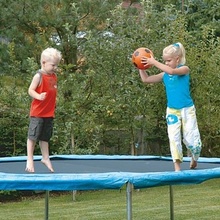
129, 189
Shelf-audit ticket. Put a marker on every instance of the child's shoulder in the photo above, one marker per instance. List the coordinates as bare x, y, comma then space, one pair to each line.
38, 76
38, 73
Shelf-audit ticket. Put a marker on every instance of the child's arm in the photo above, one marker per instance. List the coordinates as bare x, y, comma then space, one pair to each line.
34, 84
179, 71
150, 79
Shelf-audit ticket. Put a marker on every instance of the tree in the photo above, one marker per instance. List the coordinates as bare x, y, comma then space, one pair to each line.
102, 104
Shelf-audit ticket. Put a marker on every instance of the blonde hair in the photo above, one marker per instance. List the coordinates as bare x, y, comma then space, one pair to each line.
51, 54
176, 49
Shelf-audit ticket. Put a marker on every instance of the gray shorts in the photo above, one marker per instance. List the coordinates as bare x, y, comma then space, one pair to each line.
40, 129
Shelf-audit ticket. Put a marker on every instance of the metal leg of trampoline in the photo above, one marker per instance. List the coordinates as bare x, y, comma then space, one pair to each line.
129, 188
46, 205
171, 204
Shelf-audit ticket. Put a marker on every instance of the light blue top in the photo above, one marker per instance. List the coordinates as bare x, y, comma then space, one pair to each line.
177, 91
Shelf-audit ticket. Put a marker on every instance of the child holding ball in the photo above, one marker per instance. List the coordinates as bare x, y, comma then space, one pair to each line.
181, 112
43, 90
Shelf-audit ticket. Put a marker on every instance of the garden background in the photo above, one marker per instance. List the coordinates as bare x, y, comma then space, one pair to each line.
102, 106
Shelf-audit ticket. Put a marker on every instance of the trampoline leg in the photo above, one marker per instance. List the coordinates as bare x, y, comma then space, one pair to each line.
129, 188
74, 195
46, 205
171, 204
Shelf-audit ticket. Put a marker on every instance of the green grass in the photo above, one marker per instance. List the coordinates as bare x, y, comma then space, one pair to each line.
191, 202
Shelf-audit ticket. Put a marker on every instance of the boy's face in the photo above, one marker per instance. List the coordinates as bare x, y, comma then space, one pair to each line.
49, 66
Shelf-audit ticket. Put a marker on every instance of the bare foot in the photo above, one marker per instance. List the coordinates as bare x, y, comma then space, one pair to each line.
48, 164
193, 164
29, 166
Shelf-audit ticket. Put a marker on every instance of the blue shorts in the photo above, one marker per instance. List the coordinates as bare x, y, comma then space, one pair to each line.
40, 129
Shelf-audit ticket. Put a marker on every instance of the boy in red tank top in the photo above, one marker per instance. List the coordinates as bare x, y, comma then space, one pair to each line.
43, 90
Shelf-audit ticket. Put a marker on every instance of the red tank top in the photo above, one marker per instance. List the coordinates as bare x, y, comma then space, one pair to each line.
45, 108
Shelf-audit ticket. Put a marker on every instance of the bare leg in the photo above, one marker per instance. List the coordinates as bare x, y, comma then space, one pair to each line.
177, 165
193, 164
30, 153
44, 146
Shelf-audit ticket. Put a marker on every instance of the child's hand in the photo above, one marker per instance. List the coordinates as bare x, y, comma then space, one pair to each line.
42, 96
148, 60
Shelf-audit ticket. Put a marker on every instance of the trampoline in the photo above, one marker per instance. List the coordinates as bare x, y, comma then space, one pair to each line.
95, 172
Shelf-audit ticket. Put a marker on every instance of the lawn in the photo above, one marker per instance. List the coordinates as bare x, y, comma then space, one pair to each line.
191, 202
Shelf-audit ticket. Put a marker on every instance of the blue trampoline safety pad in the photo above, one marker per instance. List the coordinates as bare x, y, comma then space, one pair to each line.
93, 172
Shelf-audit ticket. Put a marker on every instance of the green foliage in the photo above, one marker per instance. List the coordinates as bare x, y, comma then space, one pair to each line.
102, 104
9, 196
13, 109
206, 89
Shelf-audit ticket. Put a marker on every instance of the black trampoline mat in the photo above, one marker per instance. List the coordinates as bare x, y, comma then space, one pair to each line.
102, 166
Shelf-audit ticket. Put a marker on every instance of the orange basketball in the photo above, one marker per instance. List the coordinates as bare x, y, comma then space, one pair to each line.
138, 54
